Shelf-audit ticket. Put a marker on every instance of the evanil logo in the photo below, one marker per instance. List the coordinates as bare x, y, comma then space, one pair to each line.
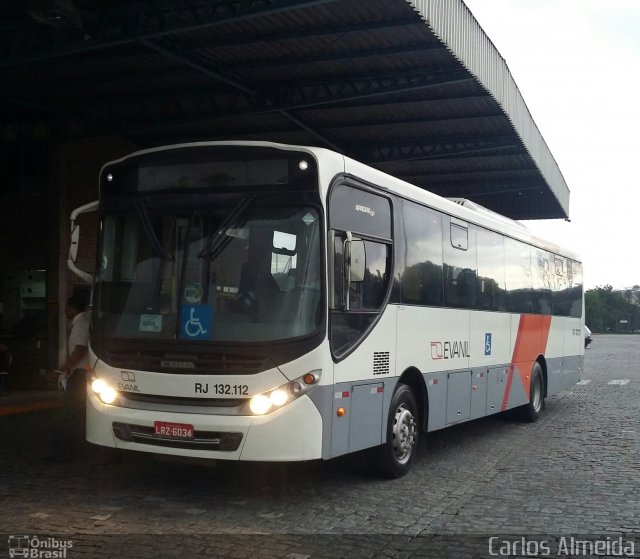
450, 350
365, 210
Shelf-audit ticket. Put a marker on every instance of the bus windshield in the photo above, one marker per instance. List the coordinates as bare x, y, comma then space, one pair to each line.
239, 270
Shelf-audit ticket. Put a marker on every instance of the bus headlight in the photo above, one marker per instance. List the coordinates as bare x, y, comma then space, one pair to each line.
262, 404
106, 393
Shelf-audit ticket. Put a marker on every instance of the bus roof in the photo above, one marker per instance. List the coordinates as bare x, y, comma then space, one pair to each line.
466, 210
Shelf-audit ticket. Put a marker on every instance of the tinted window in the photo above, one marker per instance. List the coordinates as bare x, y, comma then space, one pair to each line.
574, 279
491, 270
562, 294
460, 286
518, 276
368, 294
422, 274
542, 271
347, 328
364, 214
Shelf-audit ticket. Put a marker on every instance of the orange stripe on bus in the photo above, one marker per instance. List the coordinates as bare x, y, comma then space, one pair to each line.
531, 341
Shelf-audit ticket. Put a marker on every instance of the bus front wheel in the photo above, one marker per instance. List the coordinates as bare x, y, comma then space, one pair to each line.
395, 456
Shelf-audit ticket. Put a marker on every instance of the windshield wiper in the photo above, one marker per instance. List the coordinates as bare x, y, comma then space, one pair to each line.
156, 245
148, 229
217, 240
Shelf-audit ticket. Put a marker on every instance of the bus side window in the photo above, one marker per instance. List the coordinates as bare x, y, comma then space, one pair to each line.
421, 269
460, 266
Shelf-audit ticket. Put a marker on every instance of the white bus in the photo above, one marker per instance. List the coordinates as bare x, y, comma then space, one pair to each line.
266, 302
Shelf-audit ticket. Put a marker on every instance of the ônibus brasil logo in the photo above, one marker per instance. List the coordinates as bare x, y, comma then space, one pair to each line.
38, 548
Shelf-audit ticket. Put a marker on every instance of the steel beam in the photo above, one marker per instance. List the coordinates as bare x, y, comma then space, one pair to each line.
307, 33
141, 20
276, 98
433, 148
226, 77
338, 56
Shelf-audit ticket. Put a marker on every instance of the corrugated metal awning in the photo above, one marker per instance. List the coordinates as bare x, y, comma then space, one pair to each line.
413, 87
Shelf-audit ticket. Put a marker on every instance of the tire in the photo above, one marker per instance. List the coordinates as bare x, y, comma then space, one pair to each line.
531, 412
394, 458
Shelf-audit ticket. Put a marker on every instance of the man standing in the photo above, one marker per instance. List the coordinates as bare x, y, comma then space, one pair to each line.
69, 429
72, 369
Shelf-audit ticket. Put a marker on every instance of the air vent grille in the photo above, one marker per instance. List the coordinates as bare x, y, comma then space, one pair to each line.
381, 363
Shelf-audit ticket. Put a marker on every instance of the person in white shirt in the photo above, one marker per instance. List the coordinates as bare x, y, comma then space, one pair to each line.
69, 428
77, 343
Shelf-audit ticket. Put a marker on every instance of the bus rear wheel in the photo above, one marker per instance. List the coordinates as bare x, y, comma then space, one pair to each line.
395, 456
531, 412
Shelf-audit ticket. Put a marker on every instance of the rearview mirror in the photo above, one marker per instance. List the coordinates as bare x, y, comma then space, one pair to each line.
73, 245
354, 264
357, 260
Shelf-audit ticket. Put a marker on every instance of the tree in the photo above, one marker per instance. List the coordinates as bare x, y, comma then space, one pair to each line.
605, 308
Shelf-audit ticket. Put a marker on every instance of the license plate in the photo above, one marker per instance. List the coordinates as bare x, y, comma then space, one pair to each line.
173, 430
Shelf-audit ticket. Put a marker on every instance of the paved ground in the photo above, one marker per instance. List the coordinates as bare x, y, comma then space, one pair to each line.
574, 473
23, 401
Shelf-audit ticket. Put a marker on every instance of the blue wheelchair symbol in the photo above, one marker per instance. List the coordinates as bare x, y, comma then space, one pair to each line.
195, 322
487, 344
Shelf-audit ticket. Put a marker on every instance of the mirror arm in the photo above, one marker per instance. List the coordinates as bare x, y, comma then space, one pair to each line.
331, 269
347, 268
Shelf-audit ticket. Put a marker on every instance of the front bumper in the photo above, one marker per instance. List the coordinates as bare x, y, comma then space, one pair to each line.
291, 433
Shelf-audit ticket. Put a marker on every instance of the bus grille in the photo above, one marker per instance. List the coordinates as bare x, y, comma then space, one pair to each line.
182, 401
191, 364
203, 440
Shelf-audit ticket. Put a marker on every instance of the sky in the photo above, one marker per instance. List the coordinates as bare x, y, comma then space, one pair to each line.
577, 65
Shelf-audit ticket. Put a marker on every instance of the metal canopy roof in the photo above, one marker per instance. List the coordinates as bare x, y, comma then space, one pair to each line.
413, 87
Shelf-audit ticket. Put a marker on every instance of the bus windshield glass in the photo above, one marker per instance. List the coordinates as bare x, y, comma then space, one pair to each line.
238, 270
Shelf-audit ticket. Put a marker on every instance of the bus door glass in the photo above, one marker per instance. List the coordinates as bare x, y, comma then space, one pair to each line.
360, 242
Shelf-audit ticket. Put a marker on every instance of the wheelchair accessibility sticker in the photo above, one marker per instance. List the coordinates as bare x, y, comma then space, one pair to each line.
195, 322
487, 343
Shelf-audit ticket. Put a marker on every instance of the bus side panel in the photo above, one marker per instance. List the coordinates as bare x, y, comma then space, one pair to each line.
433, 339
436, 342
531, 336
491, 339
573, 352
364, 384
554, 355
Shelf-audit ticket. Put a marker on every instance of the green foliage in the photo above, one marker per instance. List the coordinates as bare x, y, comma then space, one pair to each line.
606, 308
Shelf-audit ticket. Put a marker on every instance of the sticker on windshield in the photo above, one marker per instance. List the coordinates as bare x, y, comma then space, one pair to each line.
150, 323
193, 293
195, 322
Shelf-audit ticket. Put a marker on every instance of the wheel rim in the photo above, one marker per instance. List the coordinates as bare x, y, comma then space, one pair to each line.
536, 394
404, 434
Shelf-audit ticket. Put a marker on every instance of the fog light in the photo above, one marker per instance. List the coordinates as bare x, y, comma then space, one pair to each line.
260, 404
